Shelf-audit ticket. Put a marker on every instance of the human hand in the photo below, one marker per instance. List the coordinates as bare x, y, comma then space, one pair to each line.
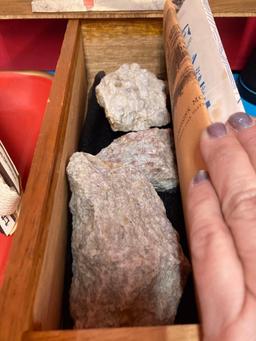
222, 230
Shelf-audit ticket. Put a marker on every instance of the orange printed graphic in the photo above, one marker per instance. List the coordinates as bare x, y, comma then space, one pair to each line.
89, 3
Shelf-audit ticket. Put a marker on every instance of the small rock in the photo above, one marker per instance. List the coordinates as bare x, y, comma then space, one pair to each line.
133, 98
128, 266
149, 151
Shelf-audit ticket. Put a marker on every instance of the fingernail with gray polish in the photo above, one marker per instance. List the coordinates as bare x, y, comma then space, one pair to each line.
201, 175
216, 130
240, 121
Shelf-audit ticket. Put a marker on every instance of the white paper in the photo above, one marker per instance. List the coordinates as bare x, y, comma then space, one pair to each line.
95, 5
11, 177
209, 60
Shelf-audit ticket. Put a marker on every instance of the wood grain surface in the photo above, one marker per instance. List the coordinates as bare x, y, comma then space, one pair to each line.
22, 9
35, 230
111, 43
174, 333
47, 312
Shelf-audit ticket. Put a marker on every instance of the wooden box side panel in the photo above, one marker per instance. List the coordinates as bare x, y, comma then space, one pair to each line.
111, 43
48, 301
174, 333
26, 258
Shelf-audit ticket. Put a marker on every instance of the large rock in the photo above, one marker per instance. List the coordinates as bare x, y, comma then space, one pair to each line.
133, 98
128, 266
150, 151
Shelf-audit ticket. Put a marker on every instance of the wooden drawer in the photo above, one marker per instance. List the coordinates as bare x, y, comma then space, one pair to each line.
31, 298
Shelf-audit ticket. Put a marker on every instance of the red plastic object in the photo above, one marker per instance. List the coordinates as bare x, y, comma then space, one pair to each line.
239, 39
23, 100
18, 39
30, 44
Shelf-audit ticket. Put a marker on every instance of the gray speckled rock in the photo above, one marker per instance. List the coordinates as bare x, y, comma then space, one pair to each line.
133, 99
128, 266
150, 151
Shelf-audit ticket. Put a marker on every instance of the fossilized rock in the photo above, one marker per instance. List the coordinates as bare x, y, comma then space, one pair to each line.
150, 151
128, 266
133, 98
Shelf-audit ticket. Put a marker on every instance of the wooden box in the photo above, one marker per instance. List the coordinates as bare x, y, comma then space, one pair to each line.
31, 297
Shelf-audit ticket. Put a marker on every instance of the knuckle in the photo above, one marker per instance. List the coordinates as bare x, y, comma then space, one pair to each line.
198, 198
196, 201
240, 205
201, 237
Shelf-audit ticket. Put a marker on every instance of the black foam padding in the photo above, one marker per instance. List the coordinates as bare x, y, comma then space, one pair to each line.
187, 311
97, 134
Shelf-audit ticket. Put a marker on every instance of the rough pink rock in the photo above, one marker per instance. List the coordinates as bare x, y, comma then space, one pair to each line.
128, 266
150, 151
